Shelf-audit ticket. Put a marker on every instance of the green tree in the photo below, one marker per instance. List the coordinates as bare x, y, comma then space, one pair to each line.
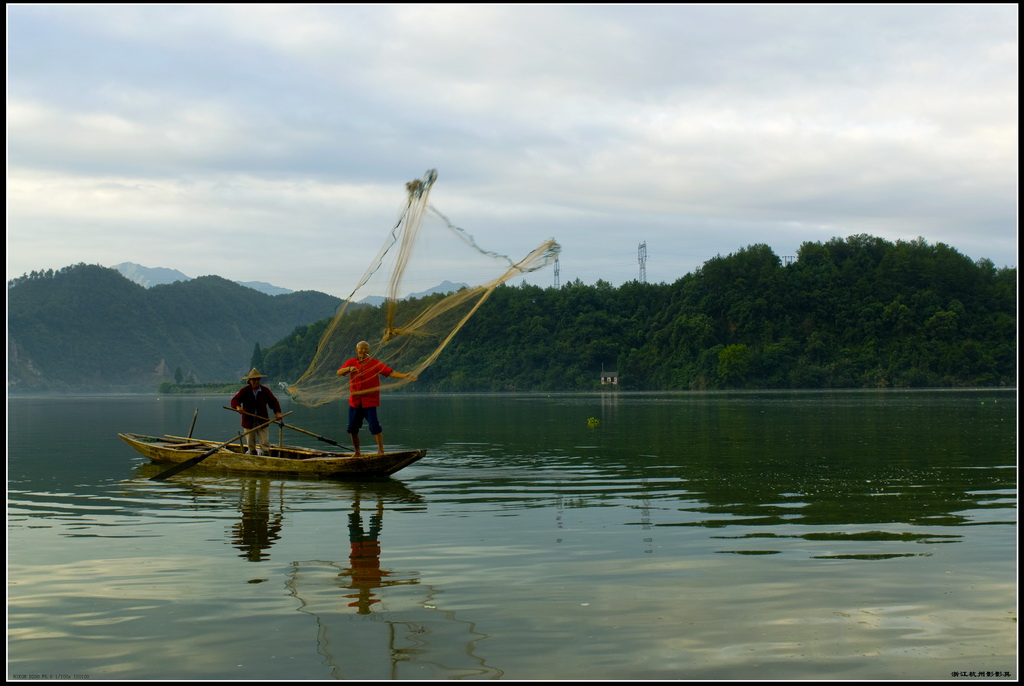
256, 361
853, 312
734, 363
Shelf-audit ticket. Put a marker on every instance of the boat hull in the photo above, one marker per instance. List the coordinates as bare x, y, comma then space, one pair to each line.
283, 459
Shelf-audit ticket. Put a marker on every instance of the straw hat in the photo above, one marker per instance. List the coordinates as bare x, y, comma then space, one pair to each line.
254, 374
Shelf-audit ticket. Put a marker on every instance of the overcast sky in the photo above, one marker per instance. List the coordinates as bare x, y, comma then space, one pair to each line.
273, 142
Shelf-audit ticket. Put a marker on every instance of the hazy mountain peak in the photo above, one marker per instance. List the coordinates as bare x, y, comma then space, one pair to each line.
264, 287
150, 276
157, 276
443, 287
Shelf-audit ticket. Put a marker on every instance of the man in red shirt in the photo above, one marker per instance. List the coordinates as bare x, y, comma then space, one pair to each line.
364, 390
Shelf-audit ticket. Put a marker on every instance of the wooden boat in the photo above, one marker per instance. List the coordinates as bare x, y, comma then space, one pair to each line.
172, 450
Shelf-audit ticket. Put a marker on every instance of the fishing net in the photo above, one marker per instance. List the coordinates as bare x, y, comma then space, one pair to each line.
407, 333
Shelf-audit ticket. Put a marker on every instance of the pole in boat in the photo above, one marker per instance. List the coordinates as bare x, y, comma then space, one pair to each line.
295, 428
191, 462
193, 427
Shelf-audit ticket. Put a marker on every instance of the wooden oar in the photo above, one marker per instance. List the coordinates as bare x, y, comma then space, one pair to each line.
295, 428
192, 428
191, 462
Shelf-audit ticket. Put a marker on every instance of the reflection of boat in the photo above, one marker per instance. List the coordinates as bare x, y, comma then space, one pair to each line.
171, 450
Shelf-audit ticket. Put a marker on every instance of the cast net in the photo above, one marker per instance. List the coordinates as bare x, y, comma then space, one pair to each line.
423, 249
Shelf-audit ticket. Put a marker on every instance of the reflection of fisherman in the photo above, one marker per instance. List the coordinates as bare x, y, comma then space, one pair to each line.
258, 529
364, 557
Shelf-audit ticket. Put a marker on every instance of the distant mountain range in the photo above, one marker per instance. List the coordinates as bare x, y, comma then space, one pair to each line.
130, 327
851, 313
443, 287
87, 327
158, 276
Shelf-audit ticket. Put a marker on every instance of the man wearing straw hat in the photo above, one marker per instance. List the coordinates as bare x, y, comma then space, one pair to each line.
254, 399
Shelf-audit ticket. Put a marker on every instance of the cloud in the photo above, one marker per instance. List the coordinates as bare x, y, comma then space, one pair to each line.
702, 128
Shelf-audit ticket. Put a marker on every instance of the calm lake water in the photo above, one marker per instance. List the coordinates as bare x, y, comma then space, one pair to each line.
703, 536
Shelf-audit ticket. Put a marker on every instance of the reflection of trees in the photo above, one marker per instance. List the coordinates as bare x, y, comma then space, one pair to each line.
836, 466
259, 527
845, 463
822, 459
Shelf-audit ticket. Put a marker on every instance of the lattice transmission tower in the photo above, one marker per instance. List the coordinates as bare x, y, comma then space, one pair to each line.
641, 256
556, 273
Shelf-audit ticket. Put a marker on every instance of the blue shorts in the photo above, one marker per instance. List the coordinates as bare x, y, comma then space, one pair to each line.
356, 416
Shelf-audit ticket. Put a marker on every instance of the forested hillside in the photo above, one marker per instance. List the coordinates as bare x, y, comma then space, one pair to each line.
87, 327
860, 312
